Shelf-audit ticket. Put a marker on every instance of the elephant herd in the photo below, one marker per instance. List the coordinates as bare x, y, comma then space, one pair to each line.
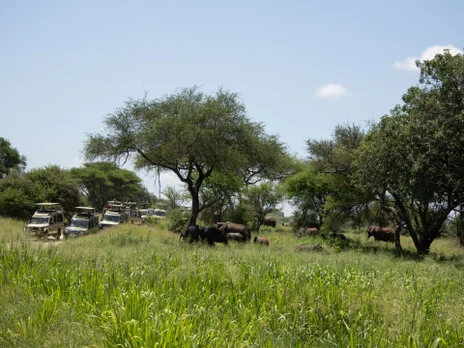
221, 233
225, 231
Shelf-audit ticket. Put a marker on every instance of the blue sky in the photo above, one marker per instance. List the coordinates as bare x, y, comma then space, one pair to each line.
300, 67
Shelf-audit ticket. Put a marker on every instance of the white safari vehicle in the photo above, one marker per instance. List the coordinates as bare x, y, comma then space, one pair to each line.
146, 212
150, 212
115, 214
47, 221
160, 213
82, 222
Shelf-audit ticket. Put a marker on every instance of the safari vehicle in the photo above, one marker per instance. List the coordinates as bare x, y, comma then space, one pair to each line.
146, 212
115, 214
134, 214
160, 213
47, 221
82, 222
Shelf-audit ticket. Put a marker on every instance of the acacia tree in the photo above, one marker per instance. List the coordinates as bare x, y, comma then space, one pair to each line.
414, 158
191, 135
104, 181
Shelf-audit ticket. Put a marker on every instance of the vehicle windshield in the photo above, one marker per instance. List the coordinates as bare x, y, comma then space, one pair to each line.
79, 223
143, 211
39, 220
113, 218
160, 213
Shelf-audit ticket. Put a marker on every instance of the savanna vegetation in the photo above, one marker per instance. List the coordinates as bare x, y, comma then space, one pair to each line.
139, 286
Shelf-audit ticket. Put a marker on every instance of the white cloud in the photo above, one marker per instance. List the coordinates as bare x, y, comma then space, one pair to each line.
331, 90
410, 62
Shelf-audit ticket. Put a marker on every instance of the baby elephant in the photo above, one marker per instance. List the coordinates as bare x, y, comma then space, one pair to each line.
261, 240
308, 247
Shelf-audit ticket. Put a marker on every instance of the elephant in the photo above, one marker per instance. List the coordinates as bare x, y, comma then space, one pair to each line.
269, 221
209, 234
309, 231
193, 232
261, 240
385, 234
230, 227
308, 247
212, 235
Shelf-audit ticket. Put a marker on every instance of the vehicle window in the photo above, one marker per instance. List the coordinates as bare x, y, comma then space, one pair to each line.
39, 220
79, 223
113, 218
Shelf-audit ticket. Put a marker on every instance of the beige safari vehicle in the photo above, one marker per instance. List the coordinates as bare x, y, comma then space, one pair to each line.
83, 222
47, 222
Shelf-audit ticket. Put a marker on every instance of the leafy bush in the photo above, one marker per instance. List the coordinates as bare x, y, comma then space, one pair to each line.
177, 220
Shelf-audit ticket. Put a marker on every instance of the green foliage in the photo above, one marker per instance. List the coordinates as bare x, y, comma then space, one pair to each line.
239, 213
56, 185
20, 192
322, 190
177, 220
18, 196
103, 181
10, 159
308, 190
262, 200
175, 199
219, 195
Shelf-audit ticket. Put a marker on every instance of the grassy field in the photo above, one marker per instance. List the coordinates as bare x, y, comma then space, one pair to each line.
138, 286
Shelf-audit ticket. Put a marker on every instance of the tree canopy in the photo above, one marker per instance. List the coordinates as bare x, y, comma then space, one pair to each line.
262, 200
322, 190
19, 192
10, 158
414, 158
56, 185
18, 195
100, 182
192, 135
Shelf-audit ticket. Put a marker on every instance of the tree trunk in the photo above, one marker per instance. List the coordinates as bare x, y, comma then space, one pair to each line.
397, 219
424, 248
195, 204
422, 241
399, 249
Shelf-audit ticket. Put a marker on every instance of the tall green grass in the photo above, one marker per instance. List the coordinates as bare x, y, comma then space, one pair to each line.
138, 286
